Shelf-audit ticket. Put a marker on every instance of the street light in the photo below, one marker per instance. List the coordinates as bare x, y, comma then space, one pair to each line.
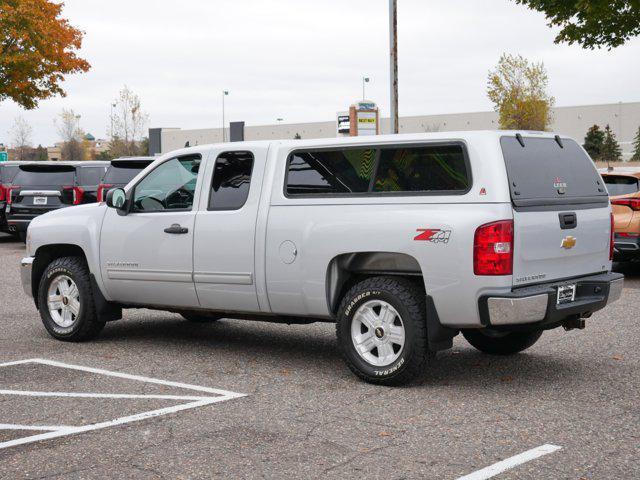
224, 94
113, 105
364, 81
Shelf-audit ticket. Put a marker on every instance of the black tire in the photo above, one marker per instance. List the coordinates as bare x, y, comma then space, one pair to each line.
501, 343
200, 317
409, 302
86, 324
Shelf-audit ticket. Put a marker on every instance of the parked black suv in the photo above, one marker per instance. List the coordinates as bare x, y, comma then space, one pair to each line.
8, 170
121, 172
44, 186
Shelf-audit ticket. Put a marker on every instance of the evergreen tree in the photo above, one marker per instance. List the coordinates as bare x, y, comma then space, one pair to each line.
593, 142
611, 151
41, 153
636, 148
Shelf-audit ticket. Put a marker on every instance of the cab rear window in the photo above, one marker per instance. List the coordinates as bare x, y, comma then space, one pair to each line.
545, 171
123, 173
621, 185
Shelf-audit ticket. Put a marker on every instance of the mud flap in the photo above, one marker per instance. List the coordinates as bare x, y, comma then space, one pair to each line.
105, 310
438, 336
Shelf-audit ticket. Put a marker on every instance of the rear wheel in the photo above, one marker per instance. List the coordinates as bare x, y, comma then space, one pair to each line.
496, 342
382, 332
65, 301
200, 317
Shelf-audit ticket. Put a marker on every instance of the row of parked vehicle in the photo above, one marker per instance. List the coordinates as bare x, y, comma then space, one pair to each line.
623, 185
30, 189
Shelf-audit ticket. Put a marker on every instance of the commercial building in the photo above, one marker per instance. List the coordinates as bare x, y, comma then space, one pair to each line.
623, 118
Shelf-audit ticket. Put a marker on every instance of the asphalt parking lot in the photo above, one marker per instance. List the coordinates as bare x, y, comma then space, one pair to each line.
157, 397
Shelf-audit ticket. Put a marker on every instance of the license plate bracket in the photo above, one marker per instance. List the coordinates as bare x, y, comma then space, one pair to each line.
39, 200
566, 294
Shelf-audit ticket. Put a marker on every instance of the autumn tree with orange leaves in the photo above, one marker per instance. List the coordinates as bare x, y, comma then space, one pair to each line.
37, 49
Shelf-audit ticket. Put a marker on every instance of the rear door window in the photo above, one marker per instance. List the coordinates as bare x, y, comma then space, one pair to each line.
621, 185
41, 176
231, 181
545, 173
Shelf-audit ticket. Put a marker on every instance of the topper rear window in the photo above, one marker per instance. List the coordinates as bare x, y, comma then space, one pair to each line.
549, 172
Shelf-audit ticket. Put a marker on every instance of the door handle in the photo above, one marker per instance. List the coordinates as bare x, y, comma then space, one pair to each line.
176, 229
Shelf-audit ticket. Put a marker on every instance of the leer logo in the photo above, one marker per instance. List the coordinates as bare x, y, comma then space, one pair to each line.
433, 235
568, 242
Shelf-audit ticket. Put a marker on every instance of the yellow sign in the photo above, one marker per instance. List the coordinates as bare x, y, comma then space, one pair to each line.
568, 242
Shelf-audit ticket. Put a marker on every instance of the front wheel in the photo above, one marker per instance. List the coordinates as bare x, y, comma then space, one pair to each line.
382, 332
65, 301
496, 342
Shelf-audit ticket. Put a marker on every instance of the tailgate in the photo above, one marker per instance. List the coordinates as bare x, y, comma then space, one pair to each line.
544, 251
562, 217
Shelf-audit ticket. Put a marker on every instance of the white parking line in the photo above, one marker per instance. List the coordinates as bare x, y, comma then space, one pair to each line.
504, 465
64, 430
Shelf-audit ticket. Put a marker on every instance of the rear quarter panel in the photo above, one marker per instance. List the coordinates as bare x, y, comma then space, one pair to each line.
323, 228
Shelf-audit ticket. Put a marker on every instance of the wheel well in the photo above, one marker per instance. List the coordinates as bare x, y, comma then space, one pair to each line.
47, 254
349, 268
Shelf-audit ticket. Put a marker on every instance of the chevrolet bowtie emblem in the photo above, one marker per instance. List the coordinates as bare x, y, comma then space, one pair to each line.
568, 242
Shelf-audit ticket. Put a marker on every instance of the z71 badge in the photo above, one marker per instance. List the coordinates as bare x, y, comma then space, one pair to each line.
433, 235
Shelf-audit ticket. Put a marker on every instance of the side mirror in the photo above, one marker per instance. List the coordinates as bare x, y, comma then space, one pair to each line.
117, 198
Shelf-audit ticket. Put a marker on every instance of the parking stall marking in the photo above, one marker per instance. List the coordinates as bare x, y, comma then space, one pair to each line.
51, 432
509, 463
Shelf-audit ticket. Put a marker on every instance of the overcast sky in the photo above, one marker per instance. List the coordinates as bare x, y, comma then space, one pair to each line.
303, 60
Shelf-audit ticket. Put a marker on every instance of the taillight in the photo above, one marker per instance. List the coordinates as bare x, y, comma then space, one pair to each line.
628, 234
102, 189
76, 194
3, 193
632, 203
611, 239
9, 191
493, 249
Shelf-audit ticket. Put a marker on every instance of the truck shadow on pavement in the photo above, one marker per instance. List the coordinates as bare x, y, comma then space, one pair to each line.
311, 350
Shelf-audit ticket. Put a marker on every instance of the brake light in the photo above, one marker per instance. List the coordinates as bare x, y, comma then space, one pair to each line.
632, 203
3, 193
101, 191
77, 194
493, 249
611, 239
628, 235
9, 191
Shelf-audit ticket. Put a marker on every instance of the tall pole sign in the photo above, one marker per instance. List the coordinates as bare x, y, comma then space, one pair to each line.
393, 44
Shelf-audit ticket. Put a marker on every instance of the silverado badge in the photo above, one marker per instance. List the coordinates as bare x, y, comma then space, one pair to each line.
568, 242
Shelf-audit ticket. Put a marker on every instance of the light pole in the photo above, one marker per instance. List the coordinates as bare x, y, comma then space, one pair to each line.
113, 105
364, 81
393, 62
224, 94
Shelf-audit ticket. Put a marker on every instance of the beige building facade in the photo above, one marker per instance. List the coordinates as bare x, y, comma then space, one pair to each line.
624, 119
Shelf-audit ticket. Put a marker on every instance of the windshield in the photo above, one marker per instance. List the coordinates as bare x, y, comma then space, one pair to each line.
45, 176
621, 185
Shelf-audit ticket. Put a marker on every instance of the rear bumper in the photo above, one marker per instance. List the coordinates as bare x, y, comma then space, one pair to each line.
26, 266
626, 248
537, 305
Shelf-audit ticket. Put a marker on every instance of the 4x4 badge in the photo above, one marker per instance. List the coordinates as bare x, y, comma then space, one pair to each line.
433, 235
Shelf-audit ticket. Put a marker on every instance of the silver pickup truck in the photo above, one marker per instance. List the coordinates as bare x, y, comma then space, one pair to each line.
403, 241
